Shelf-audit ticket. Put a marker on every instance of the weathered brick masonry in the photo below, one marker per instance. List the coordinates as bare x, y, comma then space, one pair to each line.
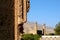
6, 19
12, 13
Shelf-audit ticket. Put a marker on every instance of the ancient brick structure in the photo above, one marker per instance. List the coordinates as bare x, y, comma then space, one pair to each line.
12, 14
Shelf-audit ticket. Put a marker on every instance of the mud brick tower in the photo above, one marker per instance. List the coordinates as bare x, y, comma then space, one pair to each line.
13, 14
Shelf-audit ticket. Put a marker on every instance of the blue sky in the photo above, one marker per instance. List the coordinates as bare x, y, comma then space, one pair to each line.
44, 11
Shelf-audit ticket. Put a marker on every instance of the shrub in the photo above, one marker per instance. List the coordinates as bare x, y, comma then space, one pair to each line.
30, 37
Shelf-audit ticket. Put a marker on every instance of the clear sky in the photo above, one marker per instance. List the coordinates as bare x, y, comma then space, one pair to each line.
44, 11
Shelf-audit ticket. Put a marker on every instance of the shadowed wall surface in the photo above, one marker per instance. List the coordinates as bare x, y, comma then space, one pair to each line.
6, 19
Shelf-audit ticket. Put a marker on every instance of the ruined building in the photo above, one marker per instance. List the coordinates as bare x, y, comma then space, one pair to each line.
13, 14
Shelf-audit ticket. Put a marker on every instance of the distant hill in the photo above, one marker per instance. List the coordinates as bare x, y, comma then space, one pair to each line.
33, 27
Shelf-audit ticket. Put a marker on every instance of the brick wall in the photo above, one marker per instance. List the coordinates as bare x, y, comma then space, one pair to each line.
55, 37
6, 20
